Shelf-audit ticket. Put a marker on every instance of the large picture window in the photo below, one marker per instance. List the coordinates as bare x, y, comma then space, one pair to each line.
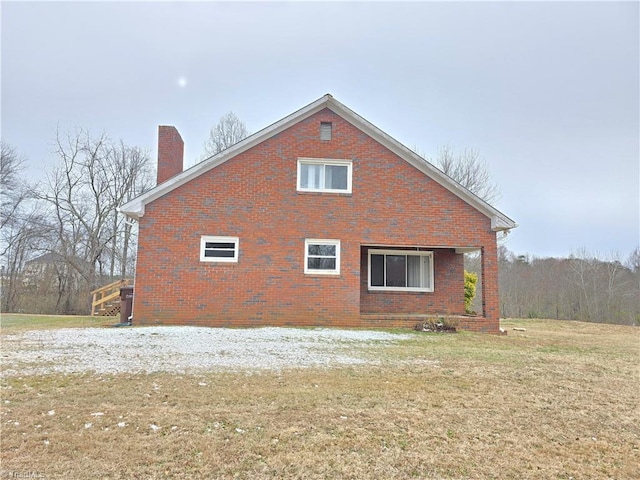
318, 175
322, 256
218, 249
401, 270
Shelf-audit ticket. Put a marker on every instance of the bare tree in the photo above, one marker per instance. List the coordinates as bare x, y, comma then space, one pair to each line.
227, 132
129, 171
10, 165
20, 226
12, 193
21, 241
76, 191
469, 170
94, 176
633, 262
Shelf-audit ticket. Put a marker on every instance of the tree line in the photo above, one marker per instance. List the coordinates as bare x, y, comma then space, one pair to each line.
583, 286
62, 237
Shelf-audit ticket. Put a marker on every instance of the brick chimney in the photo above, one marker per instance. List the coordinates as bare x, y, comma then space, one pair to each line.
170, 152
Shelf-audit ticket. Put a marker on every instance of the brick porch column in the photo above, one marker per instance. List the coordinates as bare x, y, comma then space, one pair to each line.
490, 293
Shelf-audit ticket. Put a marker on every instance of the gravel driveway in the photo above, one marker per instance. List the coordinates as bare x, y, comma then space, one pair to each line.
186, 349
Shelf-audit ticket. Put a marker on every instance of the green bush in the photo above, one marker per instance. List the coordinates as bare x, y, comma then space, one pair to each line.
470, 281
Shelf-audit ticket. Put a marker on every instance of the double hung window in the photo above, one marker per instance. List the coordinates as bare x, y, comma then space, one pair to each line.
322, 256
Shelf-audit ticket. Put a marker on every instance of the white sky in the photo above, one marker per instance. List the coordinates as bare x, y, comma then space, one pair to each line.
547, 92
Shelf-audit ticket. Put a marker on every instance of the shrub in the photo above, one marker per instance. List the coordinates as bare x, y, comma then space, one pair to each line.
470, 281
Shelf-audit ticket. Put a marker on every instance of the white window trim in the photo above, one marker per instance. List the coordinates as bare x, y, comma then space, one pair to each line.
401, 252
314, 241
208, 238
324, 161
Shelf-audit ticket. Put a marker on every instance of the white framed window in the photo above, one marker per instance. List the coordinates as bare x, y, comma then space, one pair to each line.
324, 175
219, 249
322, 256
400, 270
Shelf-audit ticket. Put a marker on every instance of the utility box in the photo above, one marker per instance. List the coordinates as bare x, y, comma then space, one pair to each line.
126, 304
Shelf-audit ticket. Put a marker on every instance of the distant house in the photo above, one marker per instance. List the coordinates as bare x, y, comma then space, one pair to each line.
50, 269
318, 219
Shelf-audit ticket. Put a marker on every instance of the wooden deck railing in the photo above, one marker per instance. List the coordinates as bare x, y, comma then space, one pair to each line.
106, 299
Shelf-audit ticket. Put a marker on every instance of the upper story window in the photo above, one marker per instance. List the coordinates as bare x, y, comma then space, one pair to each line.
321, 175
218, 249
325, 130
401, 270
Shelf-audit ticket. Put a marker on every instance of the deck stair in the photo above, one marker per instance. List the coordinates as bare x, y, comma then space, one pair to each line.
106, 299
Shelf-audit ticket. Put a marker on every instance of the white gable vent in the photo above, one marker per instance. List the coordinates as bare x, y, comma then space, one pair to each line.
325, 130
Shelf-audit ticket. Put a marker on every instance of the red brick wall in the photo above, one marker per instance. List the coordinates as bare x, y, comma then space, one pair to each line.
490, 297
253, 196
170, 153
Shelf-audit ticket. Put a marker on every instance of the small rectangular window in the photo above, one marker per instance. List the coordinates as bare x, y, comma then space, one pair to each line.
325, 130
400, 270
322, 256
218, 249
318, 175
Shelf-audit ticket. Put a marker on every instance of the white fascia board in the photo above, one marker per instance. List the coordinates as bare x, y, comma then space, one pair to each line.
132, 209
501, 223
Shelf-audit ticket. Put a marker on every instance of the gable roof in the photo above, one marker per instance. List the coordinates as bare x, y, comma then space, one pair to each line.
499, 221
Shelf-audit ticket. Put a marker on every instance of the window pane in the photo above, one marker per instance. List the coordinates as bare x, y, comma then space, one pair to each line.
335, 177
426, 272
413, 271
377, 270
321, 263
396, 270
219, 253
324, 250
219, 245
310, 175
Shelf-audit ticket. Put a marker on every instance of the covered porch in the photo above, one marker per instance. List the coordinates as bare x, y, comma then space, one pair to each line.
401, 286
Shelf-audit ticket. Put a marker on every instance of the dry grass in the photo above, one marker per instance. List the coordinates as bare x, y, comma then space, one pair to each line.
14, 323
559, 400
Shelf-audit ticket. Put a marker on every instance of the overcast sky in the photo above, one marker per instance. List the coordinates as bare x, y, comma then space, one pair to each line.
548, 93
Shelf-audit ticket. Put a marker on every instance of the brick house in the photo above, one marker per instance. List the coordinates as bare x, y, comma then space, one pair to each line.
318, 219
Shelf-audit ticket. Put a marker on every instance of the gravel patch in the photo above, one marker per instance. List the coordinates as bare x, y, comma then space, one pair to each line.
186, 349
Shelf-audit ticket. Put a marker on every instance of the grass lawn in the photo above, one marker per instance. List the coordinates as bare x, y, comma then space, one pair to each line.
14, 323
556, 401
